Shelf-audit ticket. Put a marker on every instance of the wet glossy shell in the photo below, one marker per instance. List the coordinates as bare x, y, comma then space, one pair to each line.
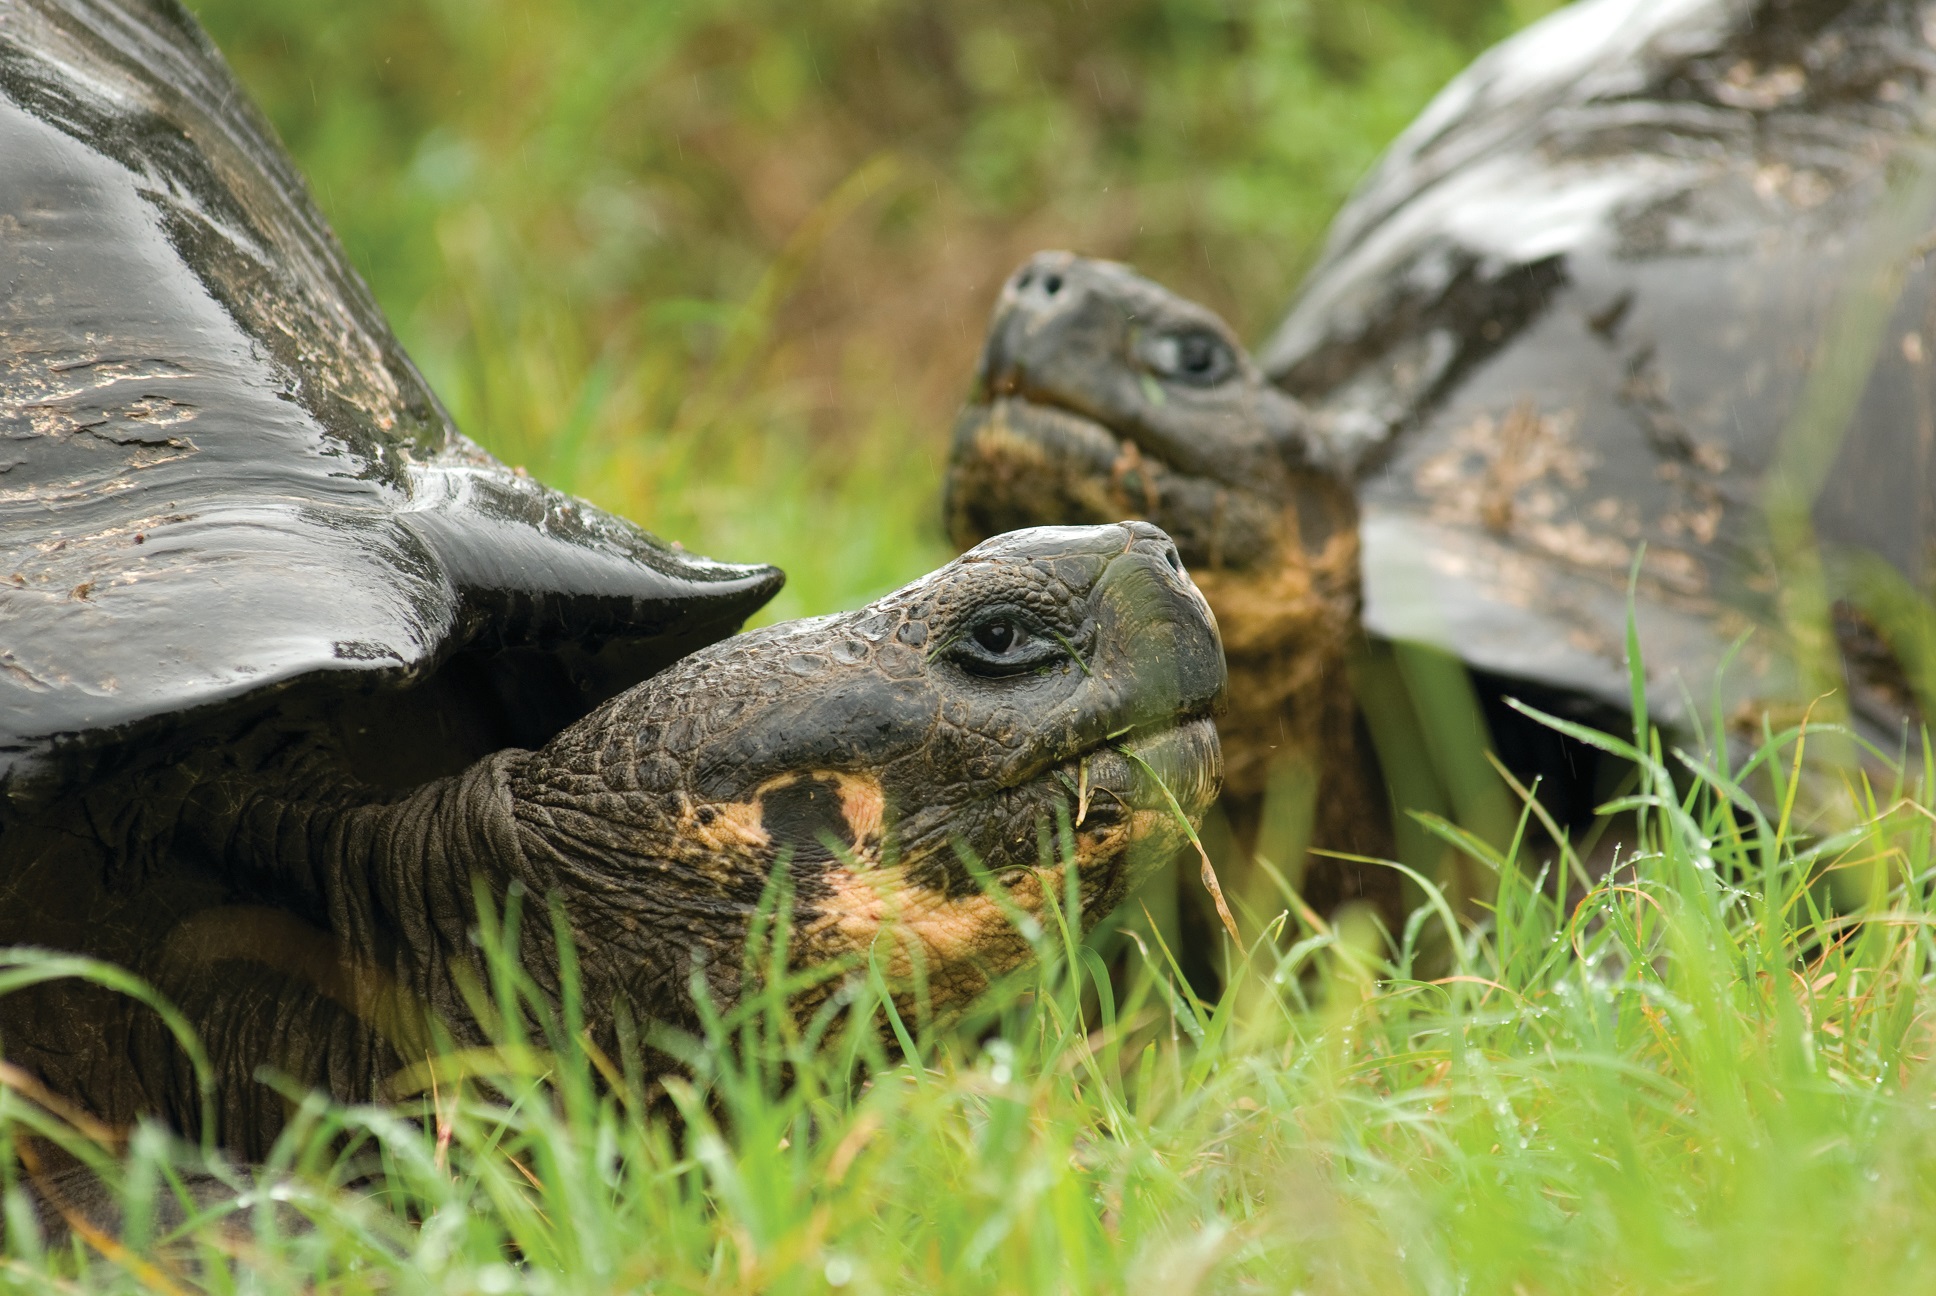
1626, 272
220, 476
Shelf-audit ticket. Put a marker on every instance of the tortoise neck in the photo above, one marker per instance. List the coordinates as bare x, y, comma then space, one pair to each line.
1298, 769
391, 882
1289, 627
369, 913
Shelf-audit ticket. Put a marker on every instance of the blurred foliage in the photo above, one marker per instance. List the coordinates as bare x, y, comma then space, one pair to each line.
723, 265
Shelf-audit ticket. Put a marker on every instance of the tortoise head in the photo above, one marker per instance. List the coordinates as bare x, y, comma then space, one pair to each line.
907, 769
1103, 395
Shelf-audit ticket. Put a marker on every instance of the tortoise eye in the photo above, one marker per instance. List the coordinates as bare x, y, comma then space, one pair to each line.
1197, 354
998, 636
1003, 642
1195, 357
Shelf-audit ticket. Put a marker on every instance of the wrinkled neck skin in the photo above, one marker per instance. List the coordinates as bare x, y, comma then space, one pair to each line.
296, 922
352, 957
392, 885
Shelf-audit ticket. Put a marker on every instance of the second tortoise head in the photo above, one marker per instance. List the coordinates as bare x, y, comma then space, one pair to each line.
1101, 394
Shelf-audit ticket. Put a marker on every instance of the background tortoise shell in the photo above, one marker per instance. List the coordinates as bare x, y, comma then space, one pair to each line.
1634, 273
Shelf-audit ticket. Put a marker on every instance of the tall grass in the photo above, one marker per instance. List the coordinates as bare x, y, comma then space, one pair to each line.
1686, 1075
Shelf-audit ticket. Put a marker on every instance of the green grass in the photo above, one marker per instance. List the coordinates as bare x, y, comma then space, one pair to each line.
1687, 1076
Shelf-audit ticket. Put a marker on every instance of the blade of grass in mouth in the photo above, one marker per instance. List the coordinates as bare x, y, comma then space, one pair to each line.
1209, 873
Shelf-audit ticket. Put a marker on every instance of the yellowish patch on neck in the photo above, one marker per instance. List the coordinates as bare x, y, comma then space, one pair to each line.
959, 943
1288, 625
864, 806
725, 827
733, 830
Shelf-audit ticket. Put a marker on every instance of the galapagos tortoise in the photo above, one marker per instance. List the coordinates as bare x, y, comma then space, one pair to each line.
1649, 278
287, 665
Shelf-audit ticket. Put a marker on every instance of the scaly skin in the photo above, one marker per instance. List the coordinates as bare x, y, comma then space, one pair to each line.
861, 755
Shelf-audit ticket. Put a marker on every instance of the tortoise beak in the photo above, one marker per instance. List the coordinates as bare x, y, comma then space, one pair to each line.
1158, 661
1160, 642
1033, 297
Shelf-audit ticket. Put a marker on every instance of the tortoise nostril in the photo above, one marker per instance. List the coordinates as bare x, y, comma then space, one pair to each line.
1024, 279
1174, 559
1052, 284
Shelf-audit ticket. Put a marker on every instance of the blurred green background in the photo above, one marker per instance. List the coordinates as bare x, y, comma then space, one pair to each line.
723, 266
